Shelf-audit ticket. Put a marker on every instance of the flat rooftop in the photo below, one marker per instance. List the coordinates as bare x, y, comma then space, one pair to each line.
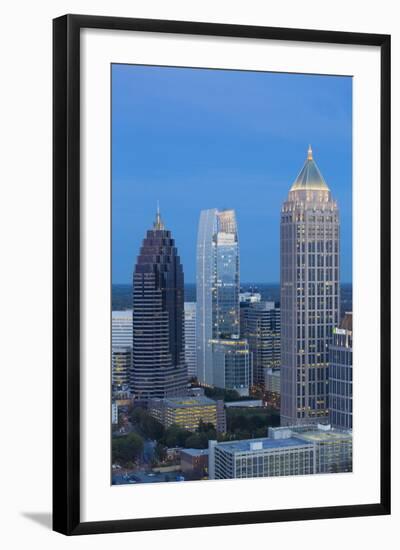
195, 452
267, 443
321, 436
245, 403
116, 313
186, 402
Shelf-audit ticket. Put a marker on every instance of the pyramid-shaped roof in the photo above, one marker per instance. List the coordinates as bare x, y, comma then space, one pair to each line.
310, 178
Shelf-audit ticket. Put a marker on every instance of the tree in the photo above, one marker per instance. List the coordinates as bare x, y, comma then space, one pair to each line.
175, 436
196, 441
205, 426
242, 435
127, 448
136, 415
221, 393
150, 427
160, 452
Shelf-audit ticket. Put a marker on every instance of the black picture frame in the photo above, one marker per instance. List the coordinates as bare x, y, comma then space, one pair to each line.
66, 273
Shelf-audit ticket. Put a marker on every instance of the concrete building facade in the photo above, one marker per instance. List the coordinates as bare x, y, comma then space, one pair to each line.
310, 295
187, 412
190, 339
296, 450
341, 375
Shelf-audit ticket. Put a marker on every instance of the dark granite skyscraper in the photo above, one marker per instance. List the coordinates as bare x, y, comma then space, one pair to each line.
158, 364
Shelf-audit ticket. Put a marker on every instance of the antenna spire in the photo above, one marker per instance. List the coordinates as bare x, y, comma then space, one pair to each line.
158, 224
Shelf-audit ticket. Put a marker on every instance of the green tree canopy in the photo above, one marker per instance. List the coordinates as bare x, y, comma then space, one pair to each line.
127, 448
175, 436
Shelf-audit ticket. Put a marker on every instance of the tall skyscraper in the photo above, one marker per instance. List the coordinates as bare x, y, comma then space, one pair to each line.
190, 339
222, 359
217, 285
260, 325
158, 362
341, 375
310, 295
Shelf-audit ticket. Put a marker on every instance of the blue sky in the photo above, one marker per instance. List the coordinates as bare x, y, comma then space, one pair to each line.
198, 138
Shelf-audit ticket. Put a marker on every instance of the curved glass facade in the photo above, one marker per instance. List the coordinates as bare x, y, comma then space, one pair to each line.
218, 285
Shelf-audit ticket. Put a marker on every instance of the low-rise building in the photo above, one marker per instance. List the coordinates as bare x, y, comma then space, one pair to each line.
121, 367
249, 297
287, 451
194, 463
123, 397
273, 381
187, 412
195, 391
114, 413
221, 417
245, 403
122, 329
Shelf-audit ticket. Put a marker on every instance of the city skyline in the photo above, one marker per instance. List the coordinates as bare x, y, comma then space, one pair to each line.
244, 161
228, 380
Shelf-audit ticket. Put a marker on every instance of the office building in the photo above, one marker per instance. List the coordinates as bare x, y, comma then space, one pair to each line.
158, 355
122, 329
296, 450
221, 417
249, 297
245, 404
217, 301
273, 381
121, 368
341, 375
310, 295
114, 413
194, 463
260, 326
264, 457
232, 364
217, 285
333, 448
121, 350
190, 339
123, 397
186, 412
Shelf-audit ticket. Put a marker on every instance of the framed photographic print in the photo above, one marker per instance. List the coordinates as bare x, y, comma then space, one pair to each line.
221, 274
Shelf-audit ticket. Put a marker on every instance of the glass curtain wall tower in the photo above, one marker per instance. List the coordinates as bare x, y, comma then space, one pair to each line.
158, 363
310, 295
260, 326
217, 287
